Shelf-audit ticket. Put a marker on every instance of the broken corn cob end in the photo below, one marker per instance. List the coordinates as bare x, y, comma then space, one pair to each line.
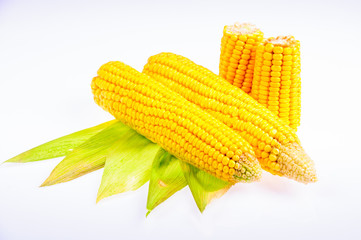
276, 81
238, 51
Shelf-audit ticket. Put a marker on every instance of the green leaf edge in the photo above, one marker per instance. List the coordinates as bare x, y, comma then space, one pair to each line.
128, 164
60, 146
87, 157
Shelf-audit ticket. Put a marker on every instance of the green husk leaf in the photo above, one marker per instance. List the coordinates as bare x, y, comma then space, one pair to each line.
166, 179
128, 165
59, 147
204, 187
87, 157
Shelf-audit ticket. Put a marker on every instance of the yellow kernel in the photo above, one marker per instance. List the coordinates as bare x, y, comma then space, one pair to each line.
287, 63
269, 47
225, 169
211, 152
273, 98
218, 146
275, 74
234, 38
238, 152
267, 62
277, 62
231, 171
275, 79
235, 158
220, 157
277, 167
230, 154
272, 165
275, 68
261, 145
275, 84
225, 176
233, 148
214, 164
273, 103
267, 56
287, 50
273, 108
287, 57
260, 48
248, 46
237, 166
266, 68
277, 56
264, 155
231, 164
201, 164
224, 150
286, 73
242, 38
267, 148
225, 160
275, 143
278, 49
272, 157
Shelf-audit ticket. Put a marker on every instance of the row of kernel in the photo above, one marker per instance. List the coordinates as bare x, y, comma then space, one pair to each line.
244, 73
224, 61
226, 54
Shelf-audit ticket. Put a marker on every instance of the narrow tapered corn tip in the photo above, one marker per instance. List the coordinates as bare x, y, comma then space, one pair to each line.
247, 169
296, 164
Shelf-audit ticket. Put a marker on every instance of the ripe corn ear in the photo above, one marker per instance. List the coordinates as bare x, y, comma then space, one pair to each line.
238, 51
179, 126
276, 145
276, 81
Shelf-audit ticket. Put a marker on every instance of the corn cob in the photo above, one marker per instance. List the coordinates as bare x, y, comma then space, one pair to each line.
179, 126
276, 145
238, 51
276, 82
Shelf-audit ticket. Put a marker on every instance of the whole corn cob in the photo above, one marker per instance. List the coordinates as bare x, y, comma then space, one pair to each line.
276, 81
276, 145
238, 51
179, 126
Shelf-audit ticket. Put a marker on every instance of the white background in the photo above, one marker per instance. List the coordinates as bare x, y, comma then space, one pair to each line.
49, 52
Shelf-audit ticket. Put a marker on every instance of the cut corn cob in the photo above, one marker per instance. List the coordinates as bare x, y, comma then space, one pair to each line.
276, 145
238, 51
276, 82
179, 126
